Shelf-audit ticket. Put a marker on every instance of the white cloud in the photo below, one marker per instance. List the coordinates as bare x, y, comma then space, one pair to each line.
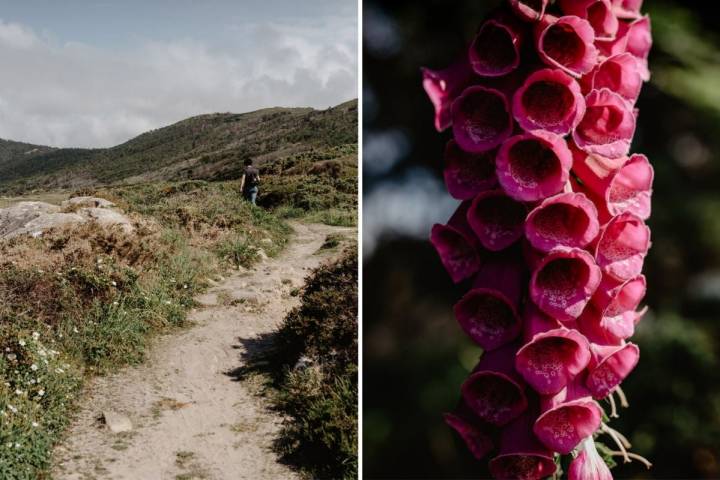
74, 94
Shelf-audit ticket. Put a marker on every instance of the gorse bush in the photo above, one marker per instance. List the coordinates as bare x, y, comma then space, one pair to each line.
316, 356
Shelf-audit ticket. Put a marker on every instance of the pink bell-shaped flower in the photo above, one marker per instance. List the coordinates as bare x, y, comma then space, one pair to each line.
567, 43
467, 174
443, 87
552, 358
495, 50
534, 165
494, 391
474, 433
549, 100
622, 246
620, 73
588, 465
608, 125
521, 455
488, 313
481, 119
610, 365
563, 283
597, 12
496, 219
457, 245
567, 418
565, 220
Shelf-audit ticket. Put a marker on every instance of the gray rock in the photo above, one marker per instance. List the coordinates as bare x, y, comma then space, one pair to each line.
42, 223
90, 202
117, 422
108, 218
18, 215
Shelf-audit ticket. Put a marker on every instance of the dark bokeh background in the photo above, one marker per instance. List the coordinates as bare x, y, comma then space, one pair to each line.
415, 357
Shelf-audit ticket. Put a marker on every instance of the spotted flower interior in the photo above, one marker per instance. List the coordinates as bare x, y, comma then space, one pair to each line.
550, 237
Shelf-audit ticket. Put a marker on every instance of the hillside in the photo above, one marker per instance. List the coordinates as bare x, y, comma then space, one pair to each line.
205, 147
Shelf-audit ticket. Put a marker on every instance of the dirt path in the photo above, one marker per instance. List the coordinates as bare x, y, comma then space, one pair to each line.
190, 417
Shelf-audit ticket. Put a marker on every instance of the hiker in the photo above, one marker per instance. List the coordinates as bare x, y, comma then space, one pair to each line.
250, 181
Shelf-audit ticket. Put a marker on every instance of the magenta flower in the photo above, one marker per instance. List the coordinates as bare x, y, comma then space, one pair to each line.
481, 119
565, 220
623, 243
552, 359
456, 245
610, 365
495, 51
549, 100
567, 418
588, 465
494, 391
599, 13
475, 436
627, 8
443, 87
534, 165
496, 219
608, 125
563, 283
550, 235
620, 73
521, 454
488, 313
622, 185
529, 10
467, 174
568, 44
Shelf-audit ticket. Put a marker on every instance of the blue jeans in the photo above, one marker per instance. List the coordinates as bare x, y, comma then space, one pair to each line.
250, 194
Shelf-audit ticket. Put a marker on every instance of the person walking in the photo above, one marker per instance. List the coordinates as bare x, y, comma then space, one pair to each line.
250, 181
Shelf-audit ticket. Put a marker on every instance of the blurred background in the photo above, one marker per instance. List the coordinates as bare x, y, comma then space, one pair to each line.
416, 357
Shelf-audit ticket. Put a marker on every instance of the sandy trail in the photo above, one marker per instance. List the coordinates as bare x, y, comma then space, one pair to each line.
190, 417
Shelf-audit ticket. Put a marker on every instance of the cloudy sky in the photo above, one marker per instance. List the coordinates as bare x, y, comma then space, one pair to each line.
94, 73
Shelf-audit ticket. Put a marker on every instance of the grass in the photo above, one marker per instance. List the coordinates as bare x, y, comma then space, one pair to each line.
82, 301
312, 371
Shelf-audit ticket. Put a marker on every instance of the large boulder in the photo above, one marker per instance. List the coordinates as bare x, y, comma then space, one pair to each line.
35, 218
20, 214
89, 202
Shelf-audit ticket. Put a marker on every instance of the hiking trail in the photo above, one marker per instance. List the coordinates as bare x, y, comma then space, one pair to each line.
190, 416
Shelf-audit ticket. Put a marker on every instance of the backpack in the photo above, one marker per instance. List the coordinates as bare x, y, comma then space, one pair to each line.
252, 177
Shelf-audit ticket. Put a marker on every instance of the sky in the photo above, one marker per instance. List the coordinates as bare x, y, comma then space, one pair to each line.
95, 73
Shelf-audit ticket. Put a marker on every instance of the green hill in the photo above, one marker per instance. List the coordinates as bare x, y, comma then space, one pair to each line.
205, 147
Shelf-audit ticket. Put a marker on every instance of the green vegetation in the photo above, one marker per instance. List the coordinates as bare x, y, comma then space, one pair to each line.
80, 301
210, 147
313, 370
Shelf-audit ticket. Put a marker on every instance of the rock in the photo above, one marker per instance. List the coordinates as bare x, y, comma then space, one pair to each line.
34, 218
108, 218
90, 202
38, 225
19, 214
117, 422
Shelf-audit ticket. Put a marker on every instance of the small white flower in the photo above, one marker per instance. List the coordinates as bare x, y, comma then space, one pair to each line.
32, 381
114, 283
35, 335
75, 330
42, 352
12, 408
185, 286
9, 444
17, 445
35, 424
33, 367
12, 357
168, 302
41, 392
59, 370
22, 343
115, 303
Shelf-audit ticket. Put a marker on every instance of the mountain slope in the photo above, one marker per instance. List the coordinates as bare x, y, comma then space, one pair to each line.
208, 147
